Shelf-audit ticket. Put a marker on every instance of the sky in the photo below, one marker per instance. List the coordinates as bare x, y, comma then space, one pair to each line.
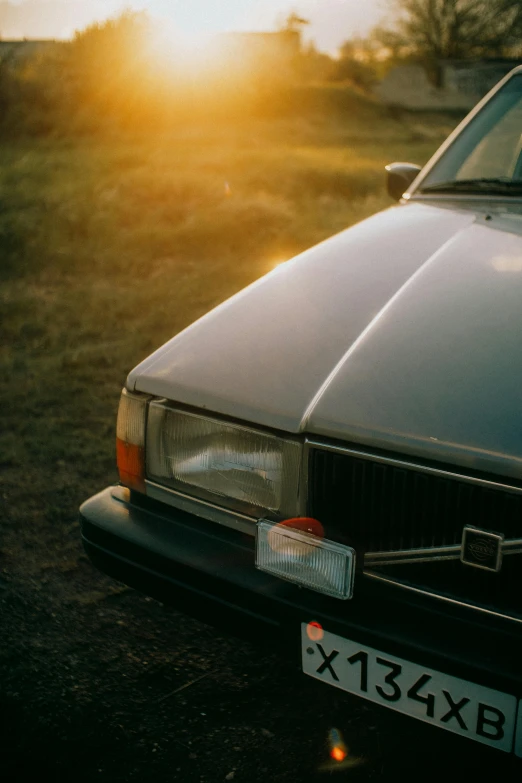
332, 21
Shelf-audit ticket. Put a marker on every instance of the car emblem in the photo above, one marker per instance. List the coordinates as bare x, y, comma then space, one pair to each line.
481, 548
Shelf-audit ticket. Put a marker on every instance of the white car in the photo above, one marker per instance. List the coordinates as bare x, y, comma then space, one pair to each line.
331, 460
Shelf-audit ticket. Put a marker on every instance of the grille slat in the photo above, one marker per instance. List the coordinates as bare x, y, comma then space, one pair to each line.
450, 578
384, 507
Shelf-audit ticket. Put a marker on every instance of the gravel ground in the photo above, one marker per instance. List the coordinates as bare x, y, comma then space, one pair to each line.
100, 683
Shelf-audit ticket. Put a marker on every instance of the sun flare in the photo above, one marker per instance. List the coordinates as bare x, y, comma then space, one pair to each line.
192, 52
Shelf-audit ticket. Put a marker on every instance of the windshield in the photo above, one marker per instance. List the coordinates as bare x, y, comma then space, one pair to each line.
487, 155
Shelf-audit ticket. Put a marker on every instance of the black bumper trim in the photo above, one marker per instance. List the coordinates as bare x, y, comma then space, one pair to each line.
176, 592
208, 571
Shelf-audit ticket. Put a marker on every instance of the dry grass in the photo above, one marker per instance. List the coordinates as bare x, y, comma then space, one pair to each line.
108, 248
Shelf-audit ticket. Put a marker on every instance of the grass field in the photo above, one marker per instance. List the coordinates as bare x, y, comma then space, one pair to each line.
110, 246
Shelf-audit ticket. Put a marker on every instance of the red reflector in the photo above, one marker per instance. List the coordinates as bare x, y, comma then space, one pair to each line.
306, 525
314, 631
131, 465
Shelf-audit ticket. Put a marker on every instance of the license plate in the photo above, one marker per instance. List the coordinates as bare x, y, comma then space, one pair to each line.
459, 706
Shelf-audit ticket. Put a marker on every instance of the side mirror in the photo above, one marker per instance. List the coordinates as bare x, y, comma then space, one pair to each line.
399, 178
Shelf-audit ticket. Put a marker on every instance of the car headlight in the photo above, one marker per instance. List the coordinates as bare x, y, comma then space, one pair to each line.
229, 464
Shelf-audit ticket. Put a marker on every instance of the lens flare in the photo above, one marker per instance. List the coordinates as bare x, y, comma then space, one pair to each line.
338, 754
338, 749
339, 757
314, 631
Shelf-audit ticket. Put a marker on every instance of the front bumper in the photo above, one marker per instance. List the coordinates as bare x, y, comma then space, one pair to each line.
207, 571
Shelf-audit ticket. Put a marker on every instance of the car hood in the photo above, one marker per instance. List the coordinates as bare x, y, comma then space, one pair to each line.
402, 332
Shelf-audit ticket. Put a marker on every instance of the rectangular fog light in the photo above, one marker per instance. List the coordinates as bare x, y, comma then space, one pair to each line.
306, 560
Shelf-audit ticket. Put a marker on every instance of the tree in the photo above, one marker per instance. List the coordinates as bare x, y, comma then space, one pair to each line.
356, 62
312, 65
435, 30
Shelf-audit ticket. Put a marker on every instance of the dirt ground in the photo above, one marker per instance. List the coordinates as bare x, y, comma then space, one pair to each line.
100, 683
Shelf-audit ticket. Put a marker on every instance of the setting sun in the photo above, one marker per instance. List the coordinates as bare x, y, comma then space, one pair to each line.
331, 21
171, 46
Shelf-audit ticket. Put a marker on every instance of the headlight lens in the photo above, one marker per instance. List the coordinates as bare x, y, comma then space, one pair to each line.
226, 463
305, 559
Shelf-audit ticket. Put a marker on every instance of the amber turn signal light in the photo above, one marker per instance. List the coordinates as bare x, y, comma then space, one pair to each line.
130, 440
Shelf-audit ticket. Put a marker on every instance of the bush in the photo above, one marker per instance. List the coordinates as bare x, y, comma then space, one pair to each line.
356, 72
110, 75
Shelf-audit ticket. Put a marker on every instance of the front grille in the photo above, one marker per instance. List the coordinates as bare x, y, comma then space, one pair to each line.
382, 507
499, 592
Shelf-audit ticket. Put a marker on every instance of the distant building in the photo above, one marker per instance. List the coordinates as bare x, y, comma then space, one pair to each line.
462, 84
275, 45
475, 79
272, 51
17, 51
267, 51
